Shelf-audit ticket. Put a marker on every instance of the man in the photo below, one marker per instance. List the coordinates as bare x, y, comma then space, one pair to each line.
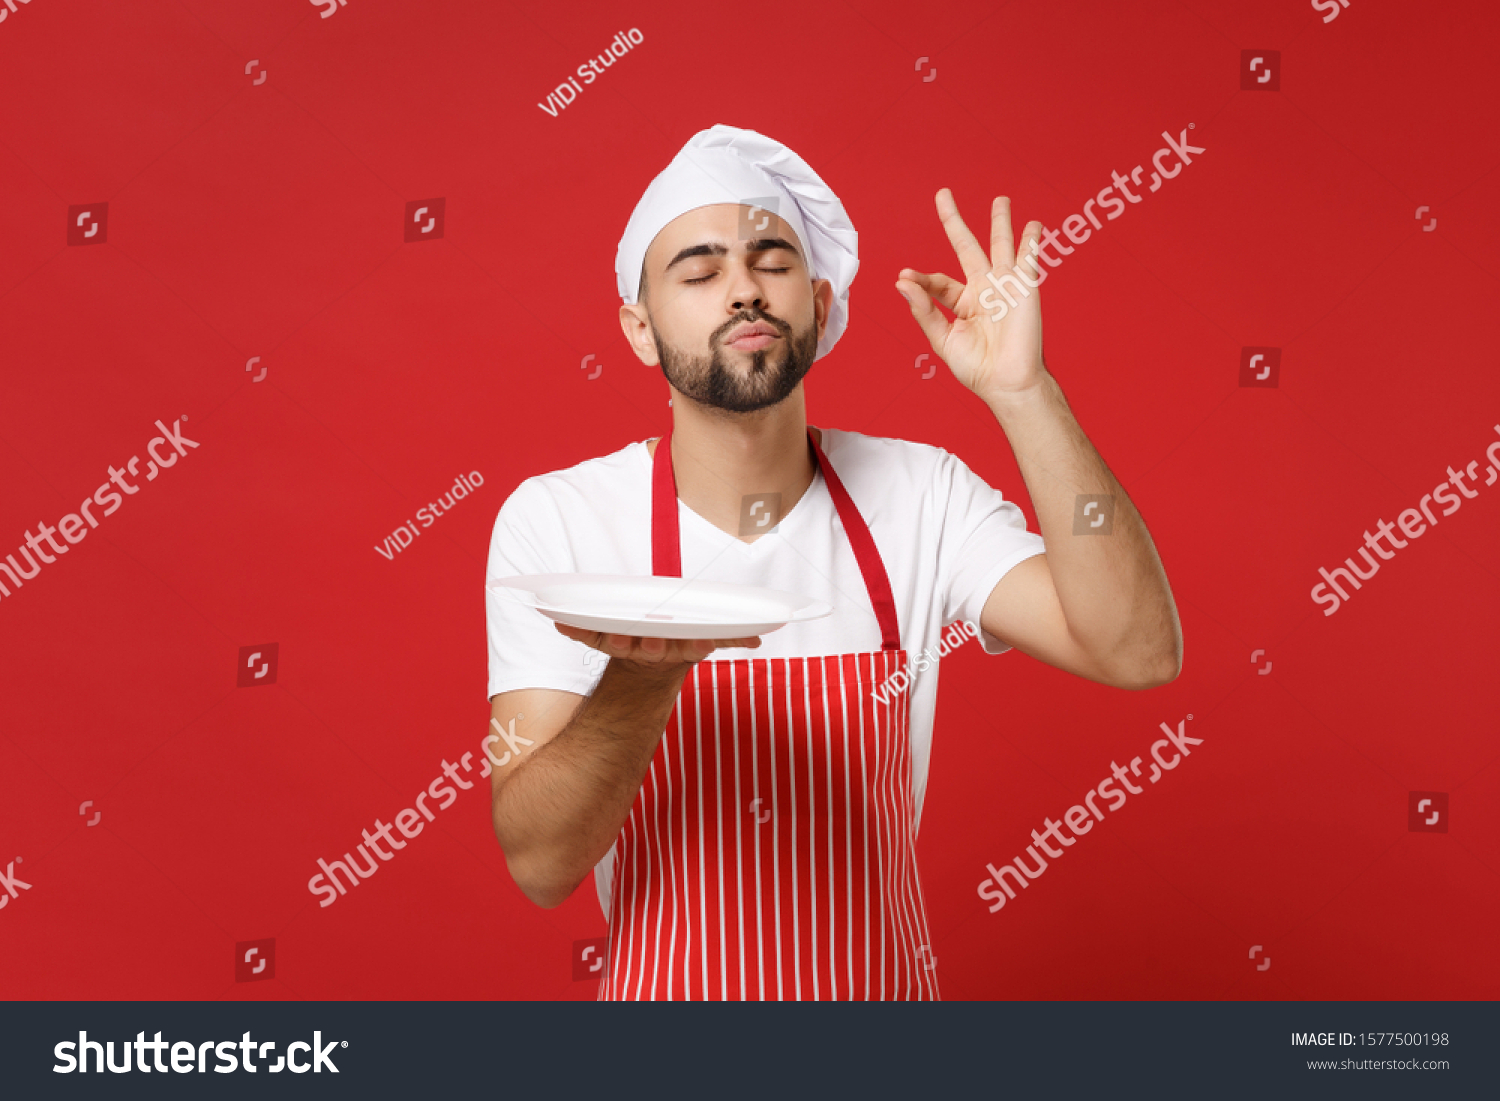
751, 818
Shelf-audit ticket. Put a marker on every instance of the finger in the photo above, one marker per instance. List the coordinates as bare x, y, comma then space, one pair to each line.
616, 646
931, 320
1002, 241
970, 256
946, 290
1027, 255
578, 634
1032, 233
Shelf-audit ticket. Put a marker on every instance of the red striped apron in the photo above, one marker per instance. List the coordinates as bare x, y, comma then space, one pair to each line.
770, 852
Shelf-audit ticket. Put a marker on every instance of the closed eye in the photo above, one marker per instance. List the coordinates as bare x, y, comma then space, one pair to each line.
710, 275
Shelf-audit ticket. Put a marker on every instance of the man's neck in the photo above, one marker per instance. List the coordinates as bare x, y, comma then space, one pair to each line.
720, 459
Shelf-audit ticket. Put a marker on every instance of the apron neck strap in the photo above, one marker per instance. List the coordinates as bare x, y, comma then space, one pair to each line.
666, 542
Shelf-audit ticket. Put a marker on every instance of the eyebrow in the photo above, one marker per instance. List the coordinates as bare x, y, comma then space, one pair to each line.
758, 244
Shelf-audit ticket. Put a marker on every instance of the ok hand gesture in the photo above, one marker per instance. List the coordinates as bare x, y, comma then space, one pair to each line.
993, 345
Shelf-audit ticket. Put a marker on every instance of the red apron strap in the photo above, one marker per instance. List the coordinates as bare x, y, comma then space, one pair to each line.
666, 546
877, 582
666, 543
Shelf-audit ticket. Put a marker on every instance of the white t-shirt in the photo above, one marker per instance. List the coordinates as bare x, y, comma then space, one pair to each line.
945, 536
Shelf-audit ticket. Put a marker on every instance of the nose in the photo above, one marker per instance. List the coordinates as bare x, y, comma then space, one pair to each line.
746, 292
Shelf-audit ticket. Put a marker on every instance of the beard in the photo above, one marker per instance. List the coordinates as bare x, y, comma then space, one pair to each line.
767, 377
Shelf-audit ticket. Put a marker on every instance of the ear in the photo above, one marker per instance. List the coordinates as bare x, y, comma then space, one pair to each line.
637, 330
822, 304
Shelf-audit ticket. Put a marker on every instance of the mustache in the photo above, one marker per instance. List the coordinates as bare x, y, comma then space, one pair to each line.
750, 317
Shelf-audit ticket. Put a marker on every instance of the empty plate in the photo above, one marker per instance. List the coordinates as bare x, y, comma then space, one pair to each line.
659, 607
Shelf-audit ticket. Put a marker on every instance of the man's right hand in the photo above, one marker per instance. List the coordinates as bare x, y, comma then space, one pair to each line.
654, 655
559, 800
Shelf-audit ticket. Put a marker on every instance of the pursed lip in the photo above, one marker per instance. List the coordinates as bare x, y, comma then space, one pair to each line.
757, 328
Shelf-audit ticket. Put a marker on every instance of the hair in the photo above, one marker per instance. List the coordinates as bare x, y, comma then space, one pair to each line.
640, 295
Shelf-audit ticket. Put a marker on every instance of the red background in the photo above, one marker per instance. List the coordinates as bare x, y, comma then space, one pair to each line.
266, 219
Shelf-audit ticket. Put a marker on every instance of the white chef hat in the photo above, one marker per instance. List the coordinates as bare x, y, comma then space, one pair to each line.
724, 164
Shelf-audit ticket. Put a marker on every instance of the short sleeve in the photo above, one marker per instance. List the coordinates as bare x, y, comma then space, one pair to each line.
987, 536
525, 649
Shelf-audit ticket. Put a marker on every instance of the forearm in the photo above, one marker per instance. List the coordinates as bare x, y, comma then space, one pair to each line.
558, 814
1112, 587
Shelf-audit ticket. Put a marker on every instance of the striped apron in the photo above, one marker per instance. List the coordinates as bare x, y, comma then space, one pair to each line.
770, 852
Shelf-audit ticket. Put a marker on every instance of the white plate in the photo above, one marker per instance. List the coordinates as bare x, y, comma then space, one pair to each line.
659, 607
